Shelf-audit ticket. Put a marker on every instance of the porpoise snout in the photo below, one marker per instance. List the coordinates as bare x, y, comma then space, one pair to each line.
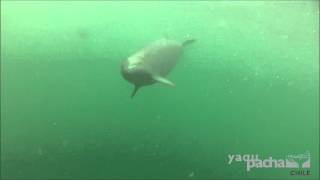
135, 75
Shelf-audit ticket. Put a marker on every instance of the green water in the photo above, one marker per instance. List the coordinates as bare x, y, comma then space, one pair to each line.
248, 85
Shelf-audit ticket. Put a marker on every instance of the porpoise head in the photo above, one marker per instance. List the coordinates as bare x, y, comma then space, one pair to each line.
136, 74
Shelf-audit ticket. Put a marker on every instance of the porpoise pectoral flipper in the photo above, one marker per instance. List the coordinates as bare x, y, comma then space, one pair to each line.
135, 90
163, 80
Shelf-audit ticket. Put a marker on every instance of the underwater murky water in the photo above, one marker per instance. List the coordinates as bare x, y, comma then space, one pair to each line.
248, 85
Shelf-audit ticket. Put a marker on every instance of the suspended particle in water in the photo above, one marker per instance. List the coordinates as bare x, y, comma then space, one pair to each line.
40, 151
285, 37
290, 83
65, 143
191, 174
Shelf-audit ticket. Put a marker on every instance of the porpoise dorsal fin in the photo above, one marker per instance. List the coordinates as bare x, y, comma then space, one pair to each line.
163, 80
188, 41
135, 90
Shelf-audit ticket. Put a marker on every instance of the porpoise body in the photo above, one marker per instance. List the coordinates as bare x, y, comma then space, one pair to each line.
152, 63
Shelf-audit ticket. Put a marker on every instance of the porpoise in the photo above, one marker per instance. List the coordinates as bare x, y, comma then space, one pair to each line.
153, 63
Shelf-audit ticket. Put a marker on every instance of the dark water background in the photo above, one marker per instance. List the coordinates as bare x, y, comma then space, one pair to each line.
249, 85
